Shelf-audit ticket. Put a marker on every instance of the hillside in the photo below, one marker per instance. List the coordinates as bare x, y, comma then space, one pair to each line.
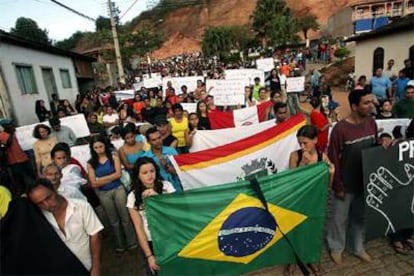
183, 28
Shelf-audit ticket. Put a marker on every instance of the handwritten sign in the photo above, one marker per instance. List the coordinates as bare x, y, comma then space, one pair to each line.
250, 74
190, 107
153, 82
227, 92
190, 82
76, 122
296, 84
265, 64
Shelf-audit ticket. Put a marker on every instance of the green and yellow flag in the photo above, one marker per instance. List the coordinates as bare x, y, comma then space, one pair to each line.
226, 230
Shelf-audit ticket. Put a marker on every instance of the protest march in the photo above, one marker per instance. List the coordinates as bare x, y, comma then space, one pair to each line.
270, 157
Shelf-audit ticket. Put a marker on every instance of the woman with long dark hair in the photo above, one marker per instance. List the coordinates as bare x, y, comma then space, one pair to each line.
146, 182
202, 113
104, 170
41, 112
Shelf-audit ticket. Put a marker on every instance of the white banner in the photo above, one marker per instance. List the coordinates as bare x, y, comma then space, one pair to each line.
76, 122
250, 74
265, 64
227, 92
296, 84
124, 94
190, 82
190, 107
245, 116
153, 82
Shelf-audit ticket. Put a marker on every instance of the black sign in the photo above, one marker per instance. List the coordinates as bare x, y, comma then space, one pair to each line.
389, 188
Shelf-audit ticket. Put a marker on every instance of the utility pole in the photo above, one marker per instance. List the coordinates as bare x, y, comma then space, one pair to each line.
121, 74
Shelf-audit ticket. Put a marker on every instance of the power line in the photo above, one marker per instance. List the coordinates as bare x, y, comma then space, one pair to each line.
128, 9
72, 10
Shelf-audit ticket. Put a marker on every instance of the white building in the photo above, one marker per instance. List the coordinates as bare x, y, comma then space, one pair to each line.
31, 71
375, 48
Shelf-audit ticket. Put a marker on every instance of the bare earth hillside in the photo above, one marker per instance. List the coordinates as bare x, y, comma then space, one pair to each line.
184, 27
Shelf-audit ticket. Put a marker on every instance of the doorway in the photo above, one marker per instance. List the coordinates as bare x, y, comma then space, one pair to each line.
50, 83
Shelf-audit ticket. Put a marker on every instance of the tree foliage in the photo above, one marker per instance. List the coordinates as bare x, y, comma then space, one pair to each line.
102, 23
220, 40
28, 28
306, 23
342, 52
71, 42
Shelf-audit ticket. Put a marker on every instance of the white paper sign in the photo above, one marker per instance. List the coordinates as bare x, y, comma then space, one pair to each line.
250, 74
190, 107
190, 82
227, 92
296, 84
124, 94
245, 116
153, 82
265, 64
76, 122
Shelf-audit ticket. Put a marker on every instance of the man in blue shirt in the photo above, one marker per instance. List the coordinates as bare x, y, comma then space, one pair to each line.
160, 155
381, 85
399, 84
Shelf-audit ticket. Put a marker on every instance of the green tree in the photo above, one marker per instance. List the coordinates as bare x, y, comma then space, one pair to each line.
306, 23
273, 22
102, 23
71, 42
140, 43
220, 40
28, 28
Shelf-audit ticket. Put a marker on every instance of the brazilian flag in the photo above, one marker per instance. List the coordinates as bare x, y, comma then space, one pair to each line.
226, 229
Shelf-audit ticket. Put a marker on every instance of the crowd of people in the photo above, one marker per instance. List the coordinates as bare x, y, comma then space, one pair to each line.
153, 126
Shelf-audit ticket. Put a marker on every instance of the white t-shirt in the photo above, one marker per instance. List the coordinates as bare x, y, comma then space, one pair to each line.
72, 176
81, 222
166, 189
110, 119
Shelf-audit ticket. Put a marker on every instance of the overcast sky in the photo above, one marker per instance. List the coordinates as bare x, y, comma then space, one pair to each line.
62, 23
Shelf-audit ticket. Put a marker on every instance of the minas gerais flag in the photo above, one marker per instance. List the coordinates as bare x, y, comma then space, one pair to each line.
226, 230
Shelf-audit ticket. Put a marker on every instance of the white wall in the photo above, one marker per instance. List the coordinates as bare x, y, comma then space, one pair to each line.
396, 46
24, 104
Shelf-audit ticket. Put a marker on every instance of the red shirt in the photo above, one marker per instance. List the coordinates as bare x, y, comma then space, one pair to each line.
319, 121
15, 153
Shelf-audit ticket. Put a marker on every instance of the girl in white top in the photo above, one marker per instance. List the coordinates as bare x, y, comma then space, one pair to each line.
146, 181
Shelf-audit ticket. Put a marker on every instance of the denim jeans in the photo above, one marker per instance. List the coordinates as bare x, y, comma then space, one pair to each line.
114, 204
346, 225
293, 103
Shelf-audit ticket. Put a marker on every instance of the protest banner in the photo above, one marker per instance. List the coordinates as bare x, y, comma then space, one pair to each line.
207, 139
388, 188
239, 117
153, 82
189, 107
250, 74
265, 64
266, 151
227, 92
228, 230
122, 95
296, 84
76, 122
190, 82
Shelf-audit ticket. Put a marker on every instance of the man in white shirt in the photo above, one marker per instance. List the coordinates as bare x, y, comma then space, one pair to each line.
74, 221
110, 119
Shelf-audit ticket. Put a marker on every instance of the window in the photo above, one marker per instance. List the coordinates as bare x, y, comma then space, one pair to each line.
65, 77
26, 79
378, 59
